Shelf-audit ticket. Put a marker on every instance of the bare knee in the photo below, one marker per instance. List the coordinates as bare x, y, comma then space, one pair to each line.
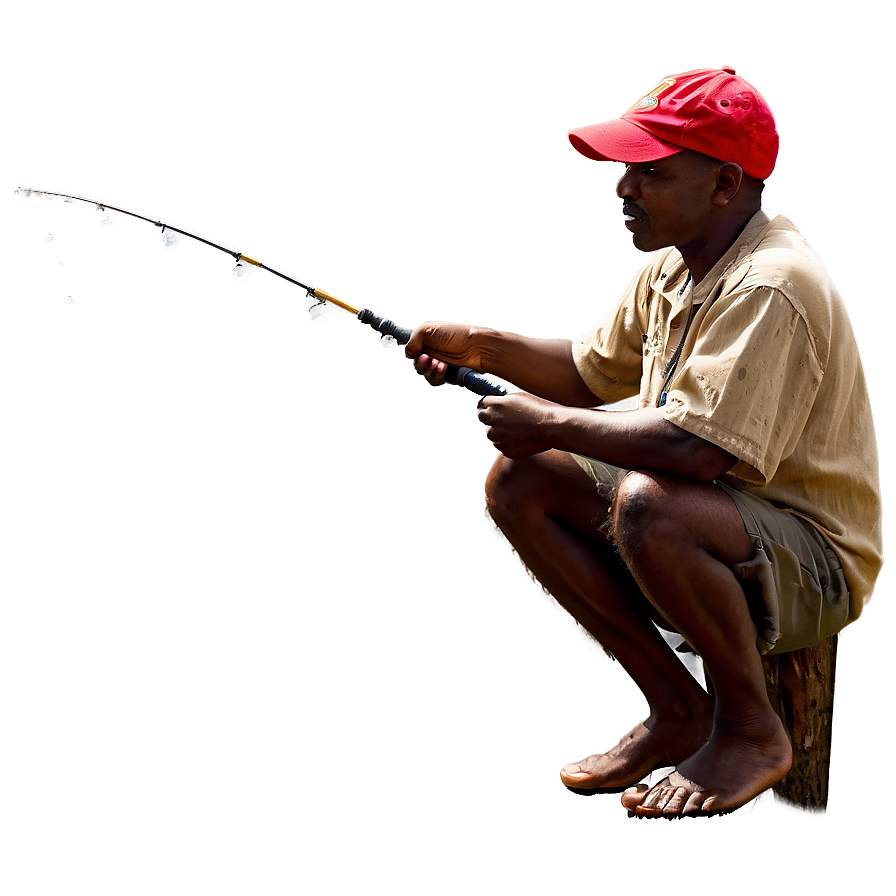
656, 516
508, 489
640, 512
521, 494
544, 484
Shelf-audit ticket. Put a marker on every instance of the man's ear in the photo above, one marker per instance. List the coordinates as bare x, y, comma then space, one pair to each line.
728, 183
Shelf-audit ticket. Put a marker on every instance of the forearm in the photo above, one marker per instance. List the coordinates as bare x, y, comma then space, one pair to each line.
641, 439
543, 367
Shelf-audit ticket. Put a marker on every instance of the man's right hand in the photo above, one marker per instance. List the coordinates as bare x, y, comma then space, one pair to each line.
543, 367
434, 343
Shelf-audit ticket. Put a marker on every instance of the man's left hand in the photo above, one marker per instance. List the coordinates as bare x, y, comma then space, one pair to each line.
519, 424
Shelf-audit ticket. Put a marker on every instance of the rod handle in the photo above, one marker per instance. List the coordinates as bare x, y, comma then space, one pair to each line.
459, 376
475, 382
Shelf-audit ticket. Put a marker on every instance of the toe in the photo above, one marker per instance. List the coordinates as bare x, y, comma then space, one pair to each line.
655, 794
576, 772
652, 805
694, 804
658, 794
664, 794
676, 802
571, 773
633, 797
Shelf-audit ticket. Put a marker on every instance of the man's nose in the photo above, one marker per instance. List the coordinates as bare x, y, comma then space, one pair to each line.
627, 187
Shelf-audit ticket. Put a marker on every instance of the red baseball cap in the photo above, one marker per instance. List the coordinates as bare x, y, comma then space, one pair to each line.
710, 110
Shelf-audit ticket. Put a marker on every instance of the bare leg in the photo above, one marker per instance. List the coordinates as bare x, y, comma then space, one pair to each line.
548, 509
679, 538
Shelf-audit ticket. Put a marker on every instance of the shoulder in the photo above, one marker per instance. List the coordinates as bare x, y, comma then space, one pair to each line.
783, 262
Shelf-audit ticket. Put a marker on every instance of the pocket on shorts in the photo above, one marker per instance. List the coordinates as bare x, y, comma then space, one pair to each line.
793, 606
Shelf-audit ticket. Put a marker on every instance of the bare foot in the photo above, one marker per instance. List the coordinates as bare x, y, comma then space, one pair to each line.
649, 745
738, 763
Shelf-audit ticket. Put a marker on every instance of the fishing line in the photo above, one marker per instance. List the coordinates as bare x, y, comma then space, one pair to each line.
390, 332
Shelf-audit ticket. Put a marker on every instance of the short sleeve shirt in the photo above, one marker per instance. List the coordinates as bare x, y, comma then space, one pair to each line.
769, 370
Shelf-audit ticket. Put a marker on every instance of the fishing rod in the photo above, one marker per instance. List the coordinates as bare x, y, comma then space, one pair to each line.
390, 332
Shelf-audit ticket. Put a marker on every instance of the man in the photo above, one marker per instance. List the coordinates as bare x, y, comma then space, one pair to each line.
739, 504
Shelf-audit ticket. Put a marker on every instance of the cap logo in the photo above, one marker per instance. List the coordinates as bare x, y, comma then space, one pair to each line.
651, 99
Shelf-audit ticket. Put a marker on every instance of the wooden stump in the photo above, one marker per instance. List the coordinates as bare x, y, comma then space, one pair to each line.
801, 689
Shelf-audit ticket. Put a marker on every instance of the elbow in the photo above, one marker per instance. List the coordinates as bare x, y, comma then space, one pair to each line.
696, 458
708, 462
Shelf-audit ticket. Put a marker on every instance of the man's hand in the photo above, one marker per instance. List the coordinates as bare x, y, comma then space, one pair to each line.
450, 342
519, 424
543, 367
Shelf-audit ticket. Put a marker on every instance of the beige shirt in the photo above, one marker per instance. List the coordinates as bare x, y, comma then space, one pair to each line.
769, 371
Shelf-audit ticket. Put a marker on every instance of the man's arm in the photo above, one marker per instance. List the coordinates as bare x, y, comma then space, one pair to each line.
559, 412
544, 367
521, 425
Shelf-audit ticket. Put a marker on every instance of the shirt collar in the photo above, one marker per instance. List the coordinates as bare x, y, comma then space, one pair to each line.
740, 249
671, 276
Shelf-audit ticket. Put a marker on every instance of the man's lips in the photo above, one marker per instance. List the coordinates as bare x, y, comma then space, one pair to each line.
634, 216
632, 212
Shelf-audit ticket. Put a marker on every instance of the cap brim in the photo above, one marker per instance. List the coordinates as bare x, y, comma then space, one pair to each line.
619, 141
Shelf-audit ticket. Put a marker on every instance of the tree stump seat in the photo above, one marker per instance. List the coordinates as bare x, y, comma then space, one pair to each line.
801, 689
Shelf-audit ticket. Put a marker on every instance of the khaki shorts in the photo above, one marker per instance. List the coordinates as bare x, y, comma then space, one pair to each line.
794, 584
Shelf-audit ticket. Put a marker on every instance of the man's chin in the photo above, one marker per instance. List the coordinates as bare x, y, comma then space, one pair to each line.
644, 243
649, 242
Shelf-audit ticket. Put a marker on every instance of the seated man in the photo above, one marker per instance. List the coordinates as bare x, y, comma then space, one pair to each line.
739, 504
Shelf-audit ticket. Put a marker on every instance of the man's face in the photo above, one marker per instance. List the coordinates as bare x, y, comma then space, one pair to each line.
668, 202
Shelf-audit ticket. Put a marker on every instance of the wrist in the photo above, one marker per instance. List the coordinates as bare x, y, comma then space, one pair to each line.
559, 426
573, 429
491, 349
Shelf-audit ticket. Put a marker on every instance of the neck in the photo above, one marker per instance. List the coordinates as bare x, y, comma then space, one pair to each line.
701, 256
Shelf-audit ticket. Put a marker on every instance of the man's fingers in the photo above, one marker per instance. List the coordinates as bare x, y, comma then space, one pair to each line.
484, 404
432, 369
415, 345
427, 334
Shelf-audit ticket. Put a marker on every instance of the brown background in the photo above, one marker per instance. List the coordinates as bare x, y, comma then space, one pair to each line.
257, 634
